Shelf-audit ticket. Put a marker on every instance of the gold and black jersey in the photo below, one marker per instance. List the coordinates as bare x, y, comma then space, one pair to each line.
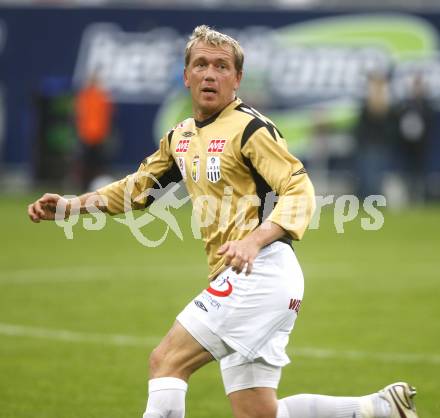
237, 170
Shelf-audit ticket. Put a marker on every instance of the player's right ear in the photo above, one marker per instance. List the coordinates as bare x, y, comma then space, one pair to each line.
185, 78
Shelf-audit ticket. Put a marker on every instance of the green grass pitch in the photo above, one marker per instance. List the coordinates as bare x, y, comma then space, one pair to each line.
79, 317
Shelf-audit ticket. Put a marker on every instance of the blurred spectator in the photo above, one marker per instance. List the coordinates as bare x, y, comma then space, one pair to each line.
329, 153
414, 117
374, 135
2, 123
54, 137
319, 152
93, 117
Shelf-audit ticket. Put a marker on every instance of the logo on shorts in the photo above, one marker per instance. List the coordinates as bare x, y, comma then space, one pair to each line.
220, 287
213, 169
294, 305
200, 305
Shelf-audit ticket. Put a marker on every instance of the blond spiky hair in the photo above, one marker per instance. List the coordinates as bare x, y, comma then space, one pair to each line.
212, 37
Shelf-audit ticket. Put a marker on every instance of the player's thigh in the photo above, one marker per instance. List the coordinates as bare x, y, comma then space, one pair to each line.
254, 403
179, 354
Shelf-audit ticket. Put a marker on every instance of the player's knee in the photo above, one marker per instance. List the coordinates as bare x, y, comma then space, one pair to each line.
162, 363
155, 361
255, 410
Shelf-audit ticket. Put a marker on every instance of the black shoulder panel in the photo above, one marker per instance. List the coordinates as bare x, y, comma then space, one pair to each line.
242, 106
261, 185
271, 129
170, 136
252, 126
256, 124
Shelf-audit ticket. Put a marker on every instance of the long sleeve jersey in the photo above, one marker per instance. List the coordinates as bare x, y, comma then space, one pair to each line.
237, 171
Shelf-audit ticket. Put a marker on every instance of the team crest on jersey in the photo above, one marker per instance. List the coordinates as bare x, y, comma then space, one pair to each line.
195, 168
182, 168
182, 145
213, 169
216, 145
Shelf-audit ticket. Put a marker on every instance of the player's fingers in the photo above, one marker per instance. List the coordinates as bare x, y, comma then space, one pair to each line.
229, 255
39, 209
235, 267
30, 211
50, 207
249, 266
32, 215
44, 200
49, 198
239, 268
244, 265
238, 263
50, 201
223, 248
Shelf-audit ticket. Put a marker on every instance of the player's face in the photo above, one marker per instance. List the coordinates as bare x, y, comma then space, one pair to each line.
212, 78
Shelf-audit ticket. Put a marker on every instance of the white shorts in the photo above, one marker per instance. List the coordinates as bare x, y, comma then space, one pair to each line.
241, 319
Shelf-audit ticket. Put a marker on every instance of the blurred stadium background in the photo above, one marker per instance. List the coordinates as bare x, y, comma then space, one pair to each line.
79, 317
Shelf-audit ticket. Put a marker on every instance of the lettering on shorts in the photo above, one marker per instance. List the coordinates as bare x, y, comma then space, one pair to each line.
209, 299
295, 304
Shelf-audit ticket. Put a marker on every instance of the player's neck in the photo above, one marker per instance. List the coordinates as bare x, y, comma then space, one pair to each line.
201, 115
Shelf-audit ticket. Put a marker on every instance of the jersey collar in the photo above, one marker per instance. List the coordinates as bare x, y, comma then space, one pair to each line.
203, 123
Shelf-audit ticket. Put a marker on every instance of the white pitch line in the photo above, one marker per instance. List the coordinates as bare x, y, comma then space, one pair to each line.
95, 273
76, 337
150, 341
322, 353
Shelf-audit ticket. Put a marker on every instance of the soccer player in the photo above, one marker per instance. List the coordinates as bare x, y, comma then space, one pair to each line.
229, 153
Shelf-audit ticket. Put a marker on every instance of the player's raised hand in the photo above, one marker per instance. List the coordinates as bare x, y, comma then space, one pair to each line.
44, 208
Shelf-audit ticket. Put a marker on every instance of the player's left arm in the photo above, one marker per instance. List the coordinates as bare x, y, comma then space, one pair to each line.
287, 177
267, 152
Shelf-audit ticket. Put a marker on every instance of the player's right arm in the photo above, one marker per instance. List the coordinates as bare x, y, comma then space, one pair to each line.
133, 191
126, 194
45, 208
